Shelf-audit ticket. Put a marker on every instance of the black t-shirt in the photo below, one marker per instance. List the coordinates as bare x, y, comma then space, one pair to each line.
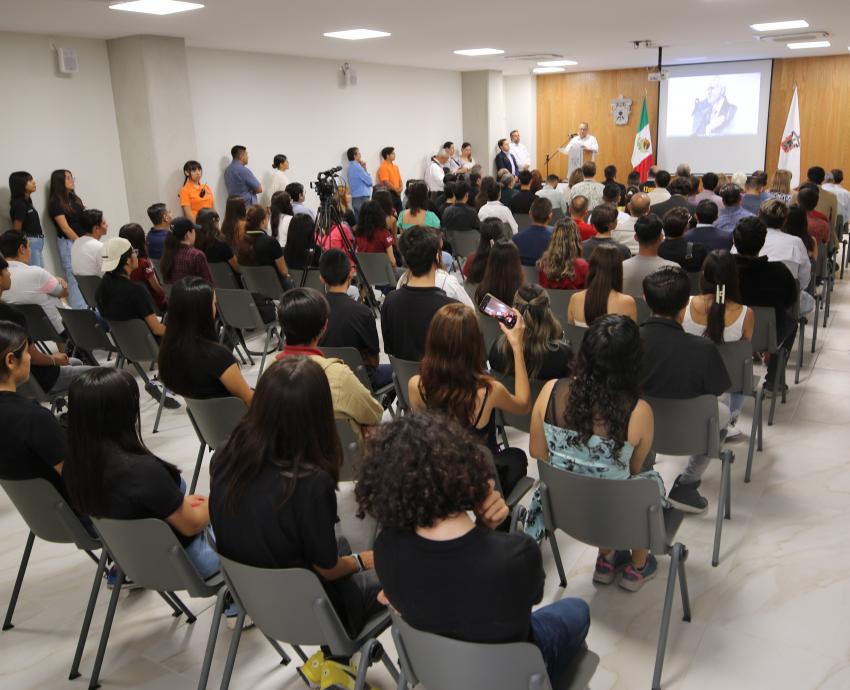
405, 316
45, 375
71, 212
21, 208
351, 324
33, 442
120, 299
556, 363
218, 252
204, 369
477, 588
267, 250
461, 217
521, 203
689, 255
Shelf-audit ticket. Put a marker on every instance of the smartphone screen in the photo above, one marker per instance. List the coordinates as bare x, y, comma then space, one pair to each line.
498, 310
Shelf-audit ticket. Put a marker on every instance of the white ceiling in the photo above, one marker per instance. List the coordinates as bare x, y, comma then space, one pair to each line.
596, 34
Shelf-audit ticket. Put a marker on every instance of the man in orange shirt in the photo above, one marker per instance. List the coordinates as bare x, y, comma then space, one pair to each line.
389, 175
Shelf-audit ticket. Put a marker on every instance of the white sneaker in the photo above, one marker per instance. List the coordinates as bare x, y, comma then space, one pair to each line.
732, 429
247, 623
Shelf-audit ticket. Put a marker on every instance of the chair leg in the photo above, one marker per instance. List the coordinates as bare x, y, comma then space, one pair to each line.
722, 508
159, 409
760, 395
665, 619
366, 652
754, 430
778, 383
211, 640
198, 464
19, 580
231, 652
728, 514
174, 607
556, 554
402, 682
284, 657
815, 324
265, 351
190, 617
801, 344
827, 300
107, 627
84, 631
390, 666
683, 583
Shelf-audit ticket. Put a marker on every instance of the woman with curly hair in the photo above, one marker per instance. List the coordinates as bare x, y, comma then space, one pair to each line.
562, 267
453, 380
595, 423
420, 477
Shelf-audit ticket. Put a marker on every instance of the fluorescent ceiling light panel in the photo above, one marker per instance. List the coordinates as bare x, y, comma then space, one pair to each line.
809, 44
548, 70
159, 7
781, 26
557, 63
356, 34
477, 52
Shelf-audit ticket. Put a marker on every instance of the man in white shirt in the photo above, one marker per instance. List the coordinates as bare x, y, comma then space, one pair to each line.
435, 172
279, 179
523, 157
550, 191
31, 284
87, 248
660, 193
296, 194
582, 140
649, 235
588, 187
834, 178
495, 209
624, 233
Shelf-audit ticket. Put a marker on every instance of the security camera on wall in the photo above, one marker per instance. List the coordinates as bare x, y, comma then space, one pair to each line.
67, 61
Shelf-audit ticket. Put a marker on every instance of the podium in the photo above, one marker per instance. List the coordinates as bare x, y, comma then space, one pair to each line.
578, 157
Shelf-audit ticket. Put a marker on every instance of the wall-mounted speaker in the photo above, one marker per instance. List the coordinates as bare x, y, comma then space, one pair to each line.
67, 60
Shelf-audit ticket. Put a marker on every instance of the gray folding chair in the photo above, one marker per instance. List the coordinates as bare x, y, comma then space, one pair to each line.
148, 553
313, 279
87, 333
352, 357
557, 214
531, 275
574, 335
464, 243
471, 289
49, 517
559, 301
32, 390
764, 340
40, 329
821, 277
88, 287
263, 280
738, 358
443, 663
801, 330
523, 220
523, 421
213, 419
643, 311
616, 514
377, 268
403, 371
136, 344
291, 605
350, 449
490, 330
224, 277
238, 312
693, 278
692, 427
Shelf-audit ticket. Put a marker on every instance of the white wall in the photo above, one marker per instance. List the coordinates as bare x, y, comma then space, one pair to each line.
54, 121
296, 106
521, 111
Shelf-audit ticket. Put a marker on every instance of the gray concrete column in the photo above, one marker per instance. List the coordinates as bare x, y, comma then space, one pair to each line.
483, 95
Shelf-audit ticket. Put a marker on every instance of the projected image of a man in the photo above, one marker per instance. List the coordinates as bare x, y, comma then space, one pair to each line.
714, 114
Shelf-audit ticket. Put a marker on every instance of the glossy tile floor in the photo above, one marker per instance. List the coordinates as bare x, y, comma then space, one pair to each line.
774, 614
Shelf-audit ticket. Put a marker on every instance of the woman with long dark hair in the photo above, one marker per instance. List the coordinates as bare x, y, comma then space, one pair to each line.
64, 208
301, 249
180, 258
797, 224
191, 360
233, 225
503, 275
194, 195
453, 380
594, 423
256, 248
561, 267
417, 212
273, 496
24, 216
476, 263
144, 273
210, 241
371, 233
281, 215
604, 293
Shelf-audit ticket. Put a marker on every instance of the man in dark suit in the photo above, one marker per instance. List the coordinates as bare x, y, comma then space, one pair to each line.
680, 190
705, 233
505, 159
714, 114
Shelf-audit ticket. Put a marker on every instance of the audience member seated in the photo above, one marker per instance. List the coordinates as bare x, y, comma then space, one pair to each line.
235, 217
211, 242
475, 186
765, 283
281, 214
604, 293
546, 354
491, 231
194, 195
705, 232
709, 183
301, 249
679, 365
191, 360
161, 219
460, 216
180, 258
834, 178
87, 248
503, 275
383, 197
345, 204
636, 207
407, 312
678, 248
751, 201
31, 284
446, 197
371, 233
680, 189
561, 267
273, 500
453, 380
611, 196
808, 198
650, 236
659, 193
493, 208
780, 186
576, 176
296, 195
550, 191
417, 212
303, 314
588, 187
25, 218
827, 204
445, 574
782, 246
604, 220
258, 249
594, 423
610, 174
522, 200
444, 280
507, 182
797, 224
351, 324
533, 240
732, 210
145, 273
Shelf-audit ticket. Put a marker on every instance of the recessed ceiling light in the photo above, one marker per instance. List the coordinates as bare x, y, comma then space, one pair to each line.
476, 52
548, 70
557, 63
780, 26
159, 7
356, 34
809, 44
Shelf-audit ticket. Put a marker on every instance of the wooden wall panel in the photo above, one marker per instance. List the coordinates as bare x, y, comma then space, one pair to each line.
823, 87
564, 100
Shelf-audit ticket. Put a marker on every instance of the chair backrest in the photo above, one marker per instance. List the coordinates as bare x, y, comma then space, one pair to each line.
490, 330
314, 279
86, 330
693, 279
643, 310
135, 340
237, 309
574, 335
377, 268
738, 358
519, 421
47, 513
149, 554
686, 427
764, 329
32, 390
157, 267
531, 274
39, 327
559, 302
350, 449
263, 280
557, 214
441, 663
471, 289
88, 286
523, 220
403, 371
464, 242
223, 276
352, 357
215, 418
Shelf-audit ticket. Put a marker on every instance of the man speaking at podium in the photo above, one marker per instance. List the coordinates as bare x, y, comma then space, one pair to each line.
581, 148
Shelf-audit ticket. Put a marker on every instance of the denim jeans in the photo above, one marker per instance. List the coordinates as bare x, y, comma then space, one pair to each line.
356, 203
36, 245
559, 630
202, 555
75, 297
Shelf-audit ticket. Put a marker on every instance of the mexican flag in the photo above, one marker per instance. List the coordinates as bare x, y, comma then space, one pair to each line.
642, 153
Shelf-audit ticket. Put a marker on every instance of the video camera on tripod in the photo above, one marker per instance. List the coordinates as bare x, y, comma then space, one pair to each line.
326, 183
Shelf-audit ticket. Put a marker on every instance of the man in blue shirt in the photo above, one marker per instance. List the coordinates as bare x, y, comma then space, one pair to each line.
731, 212
239, 180
532, 241
359, 181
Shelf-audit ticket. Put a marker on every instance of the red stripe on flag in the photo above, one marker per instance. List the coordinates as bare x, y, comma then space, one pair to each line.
643, 168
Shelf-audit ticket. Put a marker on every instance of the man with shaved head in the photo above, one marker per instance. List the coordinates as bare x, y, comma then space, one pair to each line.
624, 233
579, 209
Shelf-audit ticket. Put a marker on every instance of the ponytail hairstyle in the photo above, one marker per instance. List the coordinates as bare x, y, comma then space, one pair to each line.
254, 221
13, 340
188, 169
172, 243
542, 330
491, 231
719, 279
